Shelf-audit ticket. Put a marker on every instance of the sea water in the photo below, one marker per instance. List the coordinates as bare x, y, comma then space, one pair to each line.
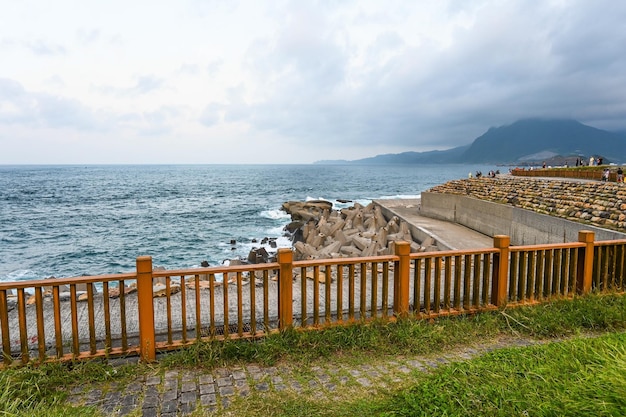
67, 221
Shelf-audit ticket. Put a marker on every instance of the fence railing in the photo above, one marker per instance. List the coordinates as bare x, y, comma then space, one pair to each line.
150, 311
579, 173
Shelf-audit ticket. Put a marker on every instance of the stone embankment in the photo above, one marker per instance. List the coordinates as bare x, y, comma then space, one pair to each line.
319, 232
601, 204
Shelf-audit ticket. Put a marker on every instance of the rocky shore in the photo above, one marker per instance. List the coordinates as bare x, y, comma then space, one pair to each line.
601, 204
319, 232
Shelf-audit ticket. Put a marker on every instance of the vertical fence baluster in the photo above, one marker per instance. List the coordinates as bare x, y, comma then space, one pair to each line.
327, 296
4, 327
540, 274
467, 280
56, 305
252, 286
486, 275
303, 303
530, 284
363, 294
212, 330
316, 295
447, 283
340, 293
458, 266
266, 301
521, 291
437, 282
547, 282
123, 316
75, 334
385, 295
417, 290
106, 310
239, 304
92, 320
198, 307
351, 292
476, 281
226, 331
41, 335
374, 290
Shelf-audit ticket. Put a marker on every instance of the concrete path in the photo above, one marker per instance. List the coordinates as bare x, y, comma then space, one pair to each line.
448, 236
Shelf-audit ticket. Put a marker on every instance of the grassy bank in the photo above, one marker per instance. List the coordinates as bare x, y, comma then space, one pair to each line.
550, 379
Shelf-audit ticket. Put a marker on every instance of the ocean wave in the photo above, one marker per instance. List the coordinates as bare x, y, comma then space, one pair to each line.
20, 275
275, 214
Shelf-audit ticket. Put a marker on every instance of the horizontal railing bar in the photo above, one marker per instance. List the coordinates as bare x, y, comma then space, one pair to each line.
215, 270
446, 253
610, 242
345, 261
53, 282
548, 246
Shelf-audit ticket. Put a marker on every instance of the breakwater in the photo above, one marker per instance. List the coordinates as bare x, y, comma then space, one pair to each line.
531, 211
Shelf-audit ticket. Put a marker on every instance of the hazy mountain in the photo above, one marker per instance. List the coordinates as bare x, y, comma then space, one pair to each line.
524, 141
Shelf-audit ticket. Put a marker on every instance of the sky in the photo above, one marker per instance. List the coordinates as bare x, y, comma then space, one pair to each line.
290, 82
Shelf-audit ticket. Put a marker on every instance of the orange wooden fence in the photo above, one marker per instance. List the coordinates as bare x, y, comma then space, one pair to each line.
151, 311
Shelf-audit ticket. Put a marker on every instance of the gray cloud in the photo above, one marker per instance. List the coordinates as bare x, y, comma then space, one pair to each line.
144, 84
42, 47
515, 61
20, 106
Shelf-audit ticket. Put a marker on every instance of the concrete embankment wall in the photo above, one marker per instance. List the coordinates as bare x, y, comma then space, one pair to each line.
523, 226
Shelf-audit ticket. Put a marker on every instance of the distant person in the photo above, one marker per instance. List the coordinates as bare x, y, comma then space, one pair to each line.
620, 175
605, 175
469, 175
592, 161
544, 165
600, 160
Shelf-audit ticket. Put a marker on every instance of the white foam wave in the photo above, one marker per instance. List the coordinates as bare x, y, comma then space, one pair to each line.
20, 275
275, 214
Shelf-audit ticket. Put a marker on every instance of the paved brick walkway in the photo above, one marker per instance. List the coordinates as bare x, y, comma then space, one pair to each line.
178, 392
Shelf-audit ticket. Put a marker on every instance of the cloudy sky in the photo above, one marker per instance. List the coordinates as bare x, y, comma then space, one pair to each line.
212, 81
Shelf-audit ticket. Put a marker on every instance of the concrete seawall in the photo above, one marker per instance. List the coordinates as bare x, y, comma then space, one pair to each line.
467, 213
525, 227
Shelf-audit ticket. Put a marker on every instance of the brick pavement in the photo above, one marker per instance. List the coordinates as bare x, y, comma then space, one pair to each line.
179, 392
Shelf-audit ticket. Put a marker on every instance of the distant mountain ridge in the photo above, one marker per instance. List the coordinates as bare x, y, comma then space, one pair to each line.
527, 140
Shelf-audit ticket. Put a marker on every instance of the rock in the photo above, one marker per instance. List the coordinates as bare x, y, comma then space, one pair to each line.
258, 256
307, 210
160, 290
321, 277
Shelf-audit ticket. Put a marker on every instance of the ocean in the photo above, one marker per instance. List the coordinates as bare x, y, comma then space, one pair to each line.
67, 221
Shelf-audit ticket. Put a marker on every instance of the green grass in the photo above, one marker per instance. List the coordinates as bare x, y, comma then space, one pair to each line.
531, 372
42, 390
582, 377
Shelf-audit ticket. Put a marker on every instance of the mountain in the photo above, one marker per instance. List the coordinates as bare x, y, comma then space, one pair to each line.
449, 156
525, 141
528, 139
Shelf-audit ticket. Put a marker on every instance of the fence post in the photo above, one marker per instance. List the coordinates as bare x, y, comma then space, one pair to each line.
147, 349
500, 275
585, 262
401, 280
285, 288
